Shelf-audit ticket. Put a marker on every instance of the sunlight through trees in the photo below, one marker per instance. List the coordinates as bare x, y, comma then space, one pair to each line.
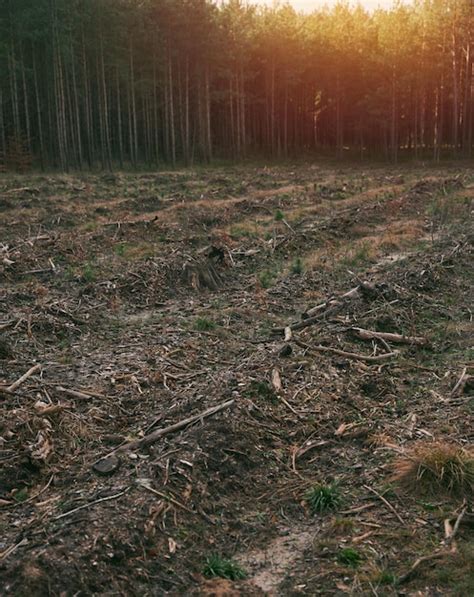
103, 83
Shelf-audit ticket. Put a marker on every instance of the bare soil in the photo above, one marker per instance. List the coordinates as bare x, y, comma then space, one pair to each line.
149, 298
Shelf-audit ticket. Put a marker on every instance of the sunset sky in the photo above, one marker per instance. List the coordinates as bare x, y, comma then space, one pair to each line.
309, 5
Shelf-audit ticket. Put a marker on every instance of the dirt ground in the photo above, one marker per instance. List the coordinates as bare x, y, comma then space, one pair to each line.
141, 300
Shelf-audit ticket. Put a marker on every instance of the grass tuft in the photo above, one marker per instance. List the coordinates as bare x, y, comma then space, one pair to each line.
89, 274
279, 216
217, 566
386, 578
429, 468
202, 324
322, 498
349, 557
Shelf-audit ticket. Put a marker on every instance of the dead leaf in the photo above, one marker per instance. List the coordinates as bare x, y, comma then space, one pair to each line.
276, 380
172, 545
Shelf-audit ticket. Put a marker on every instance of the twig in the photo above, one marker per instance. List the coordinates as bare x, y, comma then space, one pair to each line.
23, 378
36, 271
33, 497
348, 355
300, 325
146, 485
13, 548
434, 556
459, 382
387, 503
6, 392
288, 405
351, 293
457, 524
84, 506
75, 393
437, 554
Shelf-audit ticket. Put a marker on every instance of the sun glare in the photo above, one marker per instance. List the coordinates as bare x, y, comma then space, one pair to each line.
308, 6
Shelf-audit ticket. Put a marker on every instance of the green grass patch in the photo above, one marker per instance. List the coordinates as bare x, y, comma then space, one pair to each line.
203, 324
89, 273
323, 498
349, 557
217, 566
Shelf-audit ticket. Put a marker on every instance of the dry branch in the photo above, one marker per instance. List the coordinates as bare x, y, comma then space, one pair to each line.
159, 433
23, 378
386, 502
348, 355
389, 337
75, 393
418, 562
330, 302
84, 506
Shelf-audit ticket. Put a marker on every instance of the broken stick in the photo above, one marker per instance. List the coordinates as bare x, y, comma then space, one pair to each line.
434, 556
348, 355
350, 294
389, 337
23, 378
159, 433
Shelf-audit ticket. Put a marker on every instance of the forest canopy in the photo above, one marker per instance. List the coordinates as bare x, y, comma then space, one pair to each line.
114, 83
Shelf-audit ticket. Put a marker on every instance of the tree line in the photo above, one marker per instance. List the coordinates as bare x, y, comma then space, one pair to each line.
120, 83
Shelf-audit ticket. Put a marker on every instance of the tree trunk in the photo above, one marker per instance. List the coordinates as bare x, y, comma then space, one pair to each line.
38, 111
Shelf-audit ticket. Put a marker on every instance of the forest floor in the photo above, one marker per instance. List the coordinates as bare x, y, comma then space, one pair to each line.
141, 300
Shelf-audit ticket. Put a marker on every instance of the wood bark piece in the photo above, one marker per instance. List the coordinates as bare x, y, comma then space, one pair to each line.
107, 466
348, 355
276, 381
389, 337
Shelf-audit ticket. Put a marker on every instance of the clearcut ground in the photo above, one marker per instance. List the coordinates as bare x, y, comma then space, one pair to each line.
148, 298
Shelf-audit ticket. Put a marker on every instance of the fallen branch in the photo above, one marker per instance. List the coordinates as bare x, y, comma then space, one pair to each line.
350, 294
348, 355
159, 433
386, 502
434, 556
23, 378
33, 497
76, 393
146, 484
13, 548
459, 387
453, 532
450, 535
305, 323
389, 337
84, 506
30, 272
